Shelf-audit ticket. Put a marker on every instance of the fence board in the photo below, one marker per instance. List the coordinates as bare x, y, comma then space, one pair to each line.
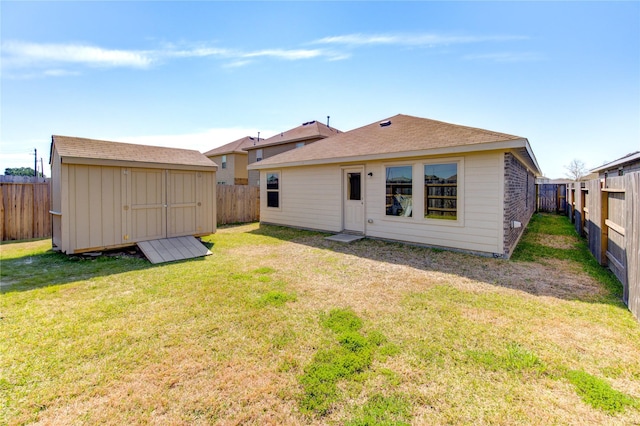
25, 211
632, 237
552, 197
237, 204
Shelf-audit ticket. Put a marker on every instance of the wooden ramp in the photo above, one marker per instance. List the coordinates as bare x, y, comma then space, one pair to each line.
170, 249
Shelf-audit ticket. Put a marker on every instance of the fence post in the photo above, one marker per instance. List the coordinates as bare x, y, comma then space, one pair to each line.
604, 229
632, 241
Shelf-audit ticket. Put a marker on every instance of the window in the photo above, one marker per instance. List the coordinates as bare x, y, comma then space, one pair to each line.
224, 161
441, 191
299, 144
353, 188
259, 155
273, 190
399, 190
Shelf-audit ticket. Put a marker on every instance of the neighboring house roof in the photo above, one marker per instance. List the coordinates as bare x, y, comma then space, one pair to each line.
629, 158
309, 130
90, 151
235, 147
397, 137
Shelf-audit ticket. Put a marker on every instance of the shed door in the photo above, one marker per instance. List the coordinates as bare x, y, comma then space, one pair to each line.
182, 205
148, 199
353, 200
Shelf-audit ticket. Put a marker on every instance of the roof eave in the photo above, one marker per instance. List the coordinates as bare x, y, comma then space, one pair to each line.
619, 162
130, 163
461, 149
316, 137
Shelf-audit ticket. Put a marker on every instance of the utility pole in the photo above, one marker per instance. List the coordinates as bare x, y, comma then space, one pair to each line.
35, 163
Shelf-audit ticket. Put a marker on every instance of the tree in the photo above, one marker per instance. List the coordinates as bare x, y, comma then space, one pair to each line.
20, 171
576, 170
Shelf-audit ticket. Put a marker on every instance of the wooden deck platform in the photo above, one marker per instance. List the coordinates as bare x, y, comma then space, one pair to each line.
170, 249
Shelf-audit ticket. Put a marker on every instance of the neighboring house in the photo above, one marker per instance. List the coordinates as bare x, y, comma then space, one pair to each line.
110, 194
408, 179
627, 164
232, 161
297, 137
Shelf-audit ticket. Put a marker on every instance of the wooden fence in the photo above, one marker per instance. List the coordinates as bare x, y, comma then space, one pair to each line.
24, 208
551, 197
24, 211
237, 204
609, 217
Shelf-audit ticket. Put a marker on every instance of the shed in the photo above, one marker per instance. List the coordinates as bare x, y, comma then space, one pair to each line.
407, 179
110, 194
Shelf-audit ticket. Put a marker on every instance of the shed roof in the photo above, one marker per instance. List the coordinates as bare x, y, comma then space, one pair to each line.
235, 147
396, 137
88, 151
309, 130
629, 158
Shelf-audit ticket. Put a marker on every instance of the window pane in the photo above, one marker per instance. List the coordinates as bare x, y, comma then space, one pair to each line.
441, 191
354, 186
399, 190
273, 199
272, 181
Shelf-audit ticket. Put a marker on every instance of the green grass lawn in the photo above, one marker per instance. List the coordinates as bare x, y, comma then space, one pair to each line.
280, 326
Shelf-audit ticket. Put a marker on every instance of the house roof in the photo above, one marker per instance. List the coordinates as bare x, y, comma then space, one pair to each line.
629, 158
235, 147
91, 151
400, 136
305, 131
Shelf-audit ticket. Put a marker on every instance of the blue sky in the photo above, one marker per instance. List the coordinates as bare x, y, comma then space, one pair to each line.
200, 74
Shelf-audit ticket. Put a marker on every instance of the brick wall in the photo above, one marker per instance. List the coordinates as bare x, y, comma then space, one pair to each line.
519, 200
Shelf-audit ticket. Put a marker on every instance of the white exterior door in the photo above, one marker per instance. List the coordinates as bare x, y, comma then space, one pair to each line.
353, 199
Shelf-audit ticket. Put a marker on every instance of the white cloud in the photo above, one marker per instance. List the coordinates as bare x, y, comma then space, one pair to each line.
293, 54
17, 53
60, 73
507, 57
424, 39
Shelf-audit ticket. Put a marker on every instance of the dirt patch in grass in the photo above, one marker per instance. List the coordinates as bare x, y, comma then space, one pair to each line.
564, 242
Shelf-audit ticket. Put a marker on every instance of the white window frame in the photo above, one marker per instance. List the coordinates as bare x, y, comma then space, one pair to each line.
259, 154
413, 192
459, 222
223, 162
279, 190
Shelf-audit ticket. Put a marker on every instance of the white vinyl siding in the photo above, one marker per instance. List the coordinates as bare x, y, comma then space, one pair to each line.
310, 197
479, 224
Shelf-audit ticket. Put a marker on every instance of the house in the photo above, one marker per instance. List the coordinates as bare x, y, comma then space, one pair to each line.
407, 179
232, 159
306, 133
627, 164
109, 194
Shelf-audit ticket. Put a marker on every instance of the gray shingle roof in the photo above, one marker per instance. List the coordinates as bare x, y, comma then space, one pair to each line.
404, 134
309, 130
80, 148
235, 147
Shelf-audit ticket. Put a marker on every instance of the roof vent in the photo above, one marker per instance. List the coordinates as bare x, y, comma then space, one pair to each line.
385, 123
308, 122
